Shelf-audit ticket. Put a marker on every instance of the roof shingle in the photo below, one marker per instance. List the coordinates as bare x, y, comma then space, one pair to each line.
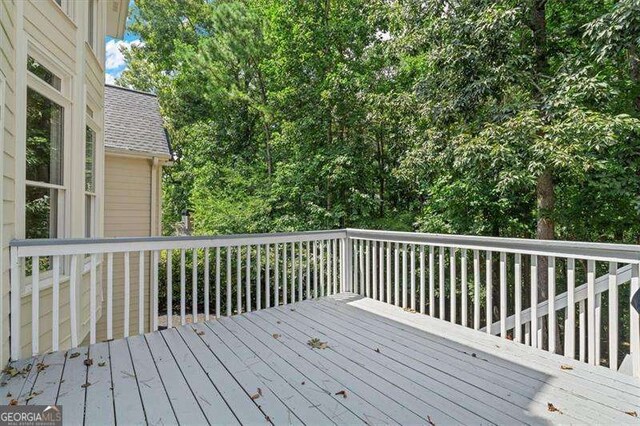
132, 122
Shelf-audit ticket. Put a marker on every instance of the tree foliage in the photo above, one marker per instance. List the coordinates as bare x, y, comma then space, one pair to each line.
436, 116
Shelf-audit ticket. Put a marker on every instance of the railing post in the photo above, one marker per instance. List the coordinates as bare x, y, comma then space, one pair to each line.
635, 319
346, 263
15, 276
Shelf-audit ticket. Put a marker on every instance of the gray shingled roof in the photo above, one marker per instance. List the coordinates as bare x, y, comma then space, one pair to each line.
132, 122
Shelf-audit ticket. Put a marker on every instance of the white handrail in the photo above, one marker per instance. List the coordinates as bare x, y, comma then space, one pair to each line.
65, 247
623, 253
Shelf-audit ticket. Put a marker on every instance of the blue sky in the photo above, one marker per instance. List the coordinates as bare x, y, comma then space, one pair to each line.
114, 61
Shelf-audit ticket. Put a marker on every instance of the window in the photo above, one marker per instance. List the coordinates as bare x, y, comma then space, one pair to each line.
91, 21
47, 109
44, 166
90, 183
43, 73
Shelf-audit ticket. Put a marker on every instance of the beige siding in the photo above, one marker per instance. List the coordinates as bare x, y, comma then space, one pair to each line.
7, 71
128, 213
41, 27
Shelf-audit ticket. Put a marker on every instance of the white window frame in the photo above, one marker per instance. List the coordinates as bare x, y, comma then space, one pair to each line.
95, 127
62, 98
66, 6
38, 85
91, 35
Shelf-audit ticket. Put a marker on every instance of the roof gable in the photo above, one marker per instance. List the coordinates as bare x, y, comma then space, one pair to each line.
132, 122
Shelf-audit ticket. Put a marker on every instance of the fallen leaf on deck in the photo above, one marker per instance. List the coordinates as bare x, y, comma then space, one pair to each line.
41, 366
255, 396
413, 311
431, 422
278, 322
88, 362
199, 332
9, 395
303, 383
32, 395
74, 355
631, 413
292, 310
566, 367
276, 335
86, 385
13, 402
378, 350
12, 371
102, 363
474, 355
342, 392
552, 408
317, 344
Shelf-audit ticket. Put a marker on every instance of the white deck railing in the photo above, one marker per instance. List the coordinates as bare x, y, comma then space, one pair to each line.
465, 280
226, 270
490, 284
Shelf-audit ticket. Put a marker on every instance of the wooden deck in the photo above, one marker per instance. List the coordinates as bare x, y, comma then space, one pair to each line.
382, 365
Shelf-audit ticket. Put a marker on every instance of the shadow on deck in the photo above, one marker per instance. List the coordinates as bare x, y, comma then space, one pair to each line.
381, 365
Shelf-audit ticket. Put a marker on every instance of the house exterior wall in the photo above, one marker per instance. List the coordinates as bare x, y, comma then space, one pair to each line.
57, 36
8, 29
132, 209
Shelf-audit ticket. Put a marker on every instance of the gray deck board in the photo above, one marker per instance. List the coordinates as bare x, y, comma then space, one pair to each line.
126, 393
482, 378
48, 378
71, 394
30, 380
156, 403
487, 372
441, 394
99, 405
185, 406
599, 383
396, 367
288, 391
400, 400
246, 409
329, 382
267, 400
11, 385
517, 358
279, 370
207, 395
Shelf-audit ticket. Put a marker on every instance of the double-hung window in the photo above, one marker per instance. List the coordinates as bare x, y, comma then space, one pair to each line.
90, 203
45, 188
91, 24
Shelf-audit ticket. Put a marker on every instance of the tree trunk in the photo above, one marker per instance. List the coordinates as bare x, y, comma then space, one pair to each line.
381, 183
545, 190
634, 66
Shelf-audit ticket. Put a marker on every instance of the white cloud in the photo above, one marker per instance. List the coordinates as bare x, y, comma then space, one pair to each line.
114, 48
114, 59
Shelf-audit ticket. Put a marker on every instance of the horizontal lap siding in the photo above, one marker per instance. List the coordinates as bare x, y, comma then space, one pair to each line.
46, 23
45, 325
94, 78
127, 213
